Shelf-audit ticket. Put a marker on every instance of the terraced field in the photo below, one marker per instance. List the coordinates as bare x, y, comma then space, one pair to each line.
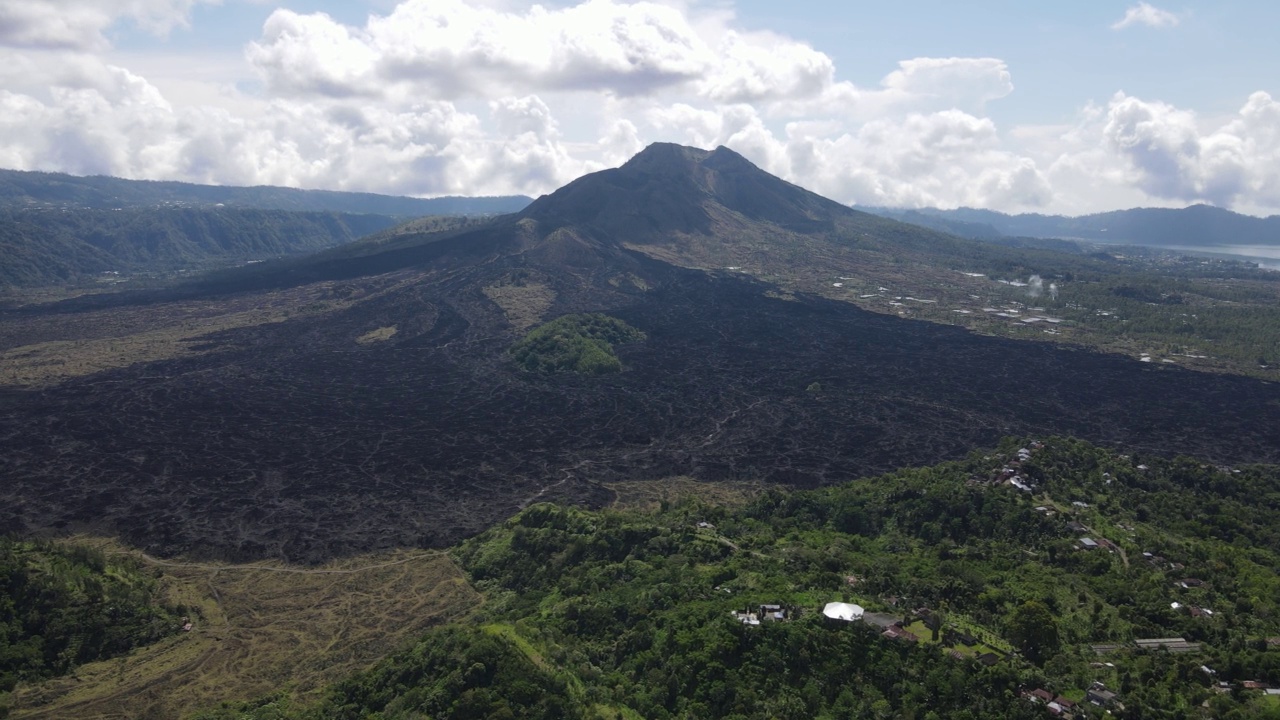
263, 628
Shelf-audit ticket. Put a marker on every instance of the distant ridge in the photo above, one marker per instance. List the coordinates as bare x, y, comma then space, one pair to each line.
1194, 226
44, 247
32, 190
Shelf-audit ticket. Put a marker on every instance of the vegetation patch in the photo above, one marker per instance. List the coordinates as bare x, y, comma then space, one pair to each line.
66, 605
523, 302
379, 335
575, 343
272, 631
662, 493
979, 601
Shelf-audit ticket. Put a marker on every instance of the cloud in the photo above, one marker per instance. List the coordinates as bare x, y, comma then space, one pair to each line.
762, 67
455, 49
943, 159
313, 55
1146, 14
80, 24
1168, 156
103, 119
950, 82
947, 158
922, 84
446, 97
1132, 151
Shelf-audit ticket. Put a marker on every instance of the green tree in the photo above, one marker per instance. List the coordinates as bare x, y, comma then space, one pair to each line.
1034, 630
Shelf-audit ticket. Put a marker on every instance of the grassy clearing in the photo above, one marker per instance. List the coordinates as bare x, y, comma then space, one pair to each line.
50, 362
48, 349
524, 304
379, 335
262, 629
510, 633
576, 687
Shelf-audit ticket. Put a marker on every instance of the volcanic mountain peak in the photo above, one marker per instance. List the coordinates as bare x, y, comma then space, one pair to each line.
668, 190
668, 158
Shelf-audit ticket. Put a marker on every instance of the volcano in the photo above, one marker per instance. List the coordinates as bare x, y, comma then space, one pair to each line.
369, 399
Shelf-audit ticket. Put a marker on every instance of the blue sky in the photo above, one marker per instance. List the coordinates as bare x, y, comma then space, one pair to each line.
1016, 106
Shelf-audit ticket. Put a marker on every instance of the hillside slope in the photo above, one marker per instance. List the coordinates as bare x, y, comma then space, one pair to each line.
982, 602
22, 190
45, 247
1191, 227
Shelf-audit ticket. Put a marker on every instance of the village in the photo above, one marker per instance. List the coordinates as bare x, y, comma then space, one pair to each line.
963, 640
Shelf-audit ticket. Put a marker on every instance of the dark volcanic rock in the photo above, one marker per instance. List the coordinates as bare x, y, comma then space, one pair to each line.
292, 444
290, 440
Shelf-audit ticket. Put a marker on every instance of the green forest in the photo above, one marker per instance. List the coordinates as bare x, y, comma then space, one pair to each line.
24, 189
979, 589
41, 247
66, 605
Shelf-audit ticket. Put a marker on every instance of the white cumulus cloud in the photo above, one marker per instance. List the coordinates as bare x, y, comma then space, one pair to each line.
764, 67
1168, 154
950, 82
450, 97
457, 49
80, 24
1146, 14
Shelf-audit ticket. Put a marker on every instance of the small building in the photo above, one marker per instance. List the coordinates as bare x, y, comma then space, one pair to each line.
1254, 685
1100, 696
897, 632
989, 658
1190, 583
1087, 543
773, 613
1041, 695
1173, 645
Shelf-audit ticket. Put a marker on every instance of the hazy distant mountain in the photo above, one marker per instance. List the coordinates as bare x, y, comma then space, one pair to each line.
20, 189
40, 247
1195, 226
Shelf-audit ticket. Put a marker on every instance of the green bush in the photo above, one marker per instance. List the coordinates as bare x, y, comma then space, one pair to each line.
575, 343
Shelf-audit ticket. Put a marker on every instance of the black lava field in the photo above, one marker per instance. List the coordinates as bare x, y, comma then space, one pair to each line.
291, 441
